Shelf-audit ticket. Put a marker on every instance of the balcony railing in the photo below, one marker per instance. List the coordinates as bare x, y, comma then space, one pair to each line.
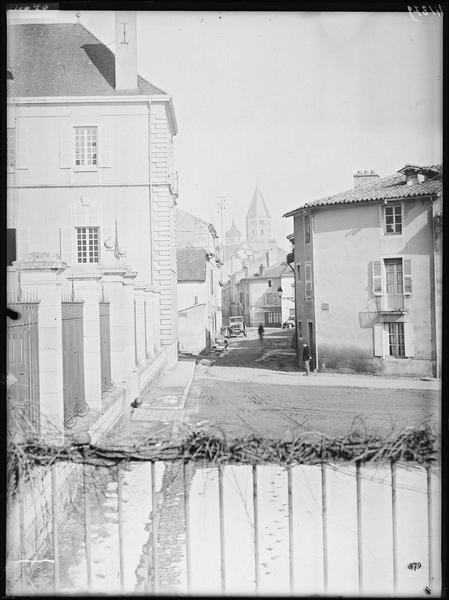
391, 303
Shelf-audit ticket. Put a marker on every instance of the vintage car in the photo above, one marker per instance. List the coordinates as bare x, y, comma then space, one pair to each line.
236, 326
289, 323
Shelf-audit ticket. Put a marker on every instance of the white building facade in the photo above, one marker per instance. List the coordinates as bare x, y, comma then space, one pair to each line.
91, 202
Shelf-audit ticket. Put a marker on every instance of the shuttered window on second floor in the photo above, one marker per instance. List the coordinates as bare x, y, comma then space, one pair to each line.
308, 280
391, 276
85, 146
11, 147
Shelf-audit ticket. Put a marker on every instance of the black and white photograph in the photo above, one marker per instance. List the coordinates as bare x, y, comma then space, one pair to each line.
224, 300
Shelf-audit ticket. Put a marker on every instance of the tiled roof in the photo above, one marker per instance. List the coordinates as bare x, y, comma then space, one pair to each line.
63, 59
258, 206
233, 231
386, 188
276, 270
191, 264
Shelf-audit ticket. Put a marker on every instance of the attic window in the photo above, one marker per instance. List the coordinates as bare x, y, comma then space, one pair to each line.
422, 177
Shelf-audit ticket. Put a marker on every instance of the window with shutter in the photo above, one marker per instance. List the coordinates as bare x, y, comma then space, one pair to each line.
11, 147
378, 333
409, 347
10, 246
65, 147
22, 146
308, 280
407, 275
307, 229
376, 271
66, 244
105, 147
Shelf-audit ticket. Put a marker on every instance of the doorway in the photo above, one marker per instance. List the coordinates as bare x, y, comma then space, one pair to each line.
311, 342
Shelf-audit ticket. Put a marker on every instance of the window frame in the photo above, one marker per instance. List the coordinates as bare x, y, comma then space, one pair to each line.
308, 281
10, 148
90, 229
393, 207
86, 167
307, 230
398, 339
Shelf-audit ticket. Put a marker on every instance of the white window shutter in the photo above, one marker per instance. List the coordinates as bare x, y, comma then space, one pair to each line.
308, 279
378, 339
409, 344
23, 240
376, 271
67, 244
66, 147
104, 147
407, 273
22, 146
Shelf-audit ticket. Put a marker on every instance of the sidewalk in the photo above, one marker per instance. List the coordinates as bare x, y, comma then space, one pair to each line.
273, 377
166, 401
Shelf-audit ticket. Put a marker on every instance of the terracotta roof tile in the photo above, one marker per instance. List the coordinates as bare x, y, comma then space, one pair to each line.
386, 188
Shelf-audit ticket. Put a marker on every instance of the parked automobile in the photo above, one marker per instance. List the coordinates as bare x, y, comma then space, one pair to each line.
289, 323
236, 326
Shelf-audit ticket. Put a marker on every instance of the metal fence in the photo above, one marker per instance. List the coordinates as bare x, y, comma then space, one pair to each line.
255, 499
73, 362
23, 367
105, 345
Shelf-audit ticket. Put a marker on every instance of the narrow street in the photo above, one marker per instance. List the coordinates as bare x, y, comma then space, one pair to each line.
256, 389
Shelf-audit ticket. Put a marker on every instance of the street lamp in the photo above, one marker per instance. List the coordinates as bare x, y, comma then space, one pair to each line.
279, 290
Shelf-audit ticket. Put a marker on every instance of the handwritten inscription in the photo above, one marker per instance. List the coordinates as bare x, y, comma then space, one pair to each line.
414, 566
418, 12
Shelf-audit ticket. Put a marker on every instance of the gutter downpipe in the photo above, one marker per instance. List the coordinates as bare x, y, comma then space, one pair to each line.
296, 329
150, 192
312, 232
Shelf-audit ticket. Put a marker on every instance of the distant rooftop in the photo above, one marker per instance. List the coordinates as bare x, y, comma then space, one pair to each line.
63, 59
258, 206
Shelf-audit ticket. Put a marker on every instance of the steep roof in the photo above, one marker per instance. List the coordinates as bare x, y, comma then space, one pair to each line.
386, 188
276, 270
191, 264
233, 231
258, 207
63, 59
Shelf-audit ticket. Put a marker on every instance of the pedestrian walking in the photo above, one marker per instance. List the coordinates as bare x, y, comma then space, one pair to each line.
261, 332
307, 358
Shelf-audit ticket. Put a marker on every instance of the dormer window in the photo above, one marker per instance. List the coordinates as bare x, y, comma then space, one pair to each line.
422, 177
412, 178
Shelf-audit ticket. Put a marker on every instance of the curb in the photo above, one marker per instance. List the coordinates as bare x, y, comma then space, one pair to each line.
187, 387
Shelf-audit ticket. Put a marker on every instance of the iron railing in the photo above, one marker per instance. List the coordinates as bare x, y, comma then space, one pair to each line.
73, 362
391, 302
253, 506
105, 345
23, 366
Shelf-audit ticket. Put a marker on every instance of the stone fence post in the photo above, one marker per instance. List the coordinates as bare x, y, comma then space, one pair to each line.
86, 284
40, 275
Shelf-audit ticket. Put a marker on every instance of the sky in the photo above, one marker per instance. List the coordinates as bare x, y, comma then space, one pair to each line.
291, 102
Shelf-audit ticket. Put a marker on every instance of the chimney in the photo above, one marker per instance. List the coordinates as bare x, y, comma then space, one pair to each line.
362, 178
261, 270
125, 50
